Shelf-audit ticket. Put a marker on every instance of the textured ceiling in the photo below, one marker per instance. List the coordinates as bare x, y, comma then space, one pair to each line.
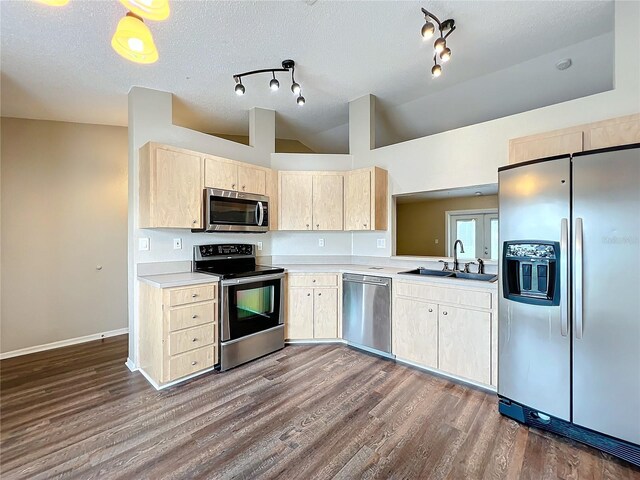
57, 63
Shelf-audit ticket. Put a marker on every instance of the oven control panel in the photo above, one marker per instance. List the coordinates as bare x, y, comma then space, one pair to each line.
225, 249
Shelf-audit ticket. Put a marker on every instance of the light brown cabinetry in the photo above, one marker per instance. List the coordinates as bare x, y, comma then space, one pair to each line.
312, 306
606, 133
178, 331
365, 199
446, 327
230, 175
170, 188
311, 200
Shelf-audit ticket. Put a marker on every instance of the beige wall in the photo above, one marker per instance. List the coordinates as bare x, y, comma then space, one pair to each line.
419, 224
64, 211
283, 145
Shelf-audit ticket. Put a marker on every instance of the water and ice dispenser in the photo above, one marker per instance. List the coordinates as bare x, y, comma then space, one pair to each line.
531, 272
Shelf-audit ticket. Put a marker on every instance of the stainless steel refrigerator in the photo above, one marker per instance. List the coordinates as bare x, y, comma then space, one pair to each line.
569, 301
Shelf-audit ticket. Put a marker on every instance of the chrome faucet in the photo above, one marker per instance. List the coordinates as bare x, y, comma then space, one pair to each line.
455, 254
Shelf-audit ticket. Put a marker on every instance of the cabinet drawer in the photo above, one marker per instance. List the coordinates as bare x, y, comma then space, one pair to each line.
191, 315
201, 293
453, 295
191, 362
320, 280
192, 338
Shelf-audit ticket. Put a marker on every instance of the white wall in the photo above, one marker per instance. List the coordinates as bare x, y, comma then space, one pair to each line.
471, 155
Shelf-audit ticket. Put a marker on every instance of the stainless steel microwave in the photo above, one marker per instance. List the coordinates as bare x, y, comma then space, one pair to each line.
229, 211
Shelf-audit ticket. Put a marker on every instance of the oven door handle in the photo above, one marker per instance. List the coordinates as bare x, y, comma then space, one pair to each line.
254, 279
259, 214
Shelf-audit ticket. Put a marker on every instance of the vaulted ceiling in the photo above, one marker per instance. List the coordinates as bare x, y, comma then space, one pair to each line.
57, 63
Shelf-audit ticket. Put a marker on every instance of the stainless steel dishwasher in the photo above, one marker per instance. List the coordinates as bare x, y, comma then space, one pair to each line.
366, 312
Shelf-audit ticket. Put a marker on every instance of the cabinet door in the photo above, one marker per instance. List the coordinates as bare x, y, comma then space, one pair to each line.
299, 323
176, 200
465, 343
220, 173
325, 313
327, 202
296, 201
545, 145
252, 180
357, 201
415, 331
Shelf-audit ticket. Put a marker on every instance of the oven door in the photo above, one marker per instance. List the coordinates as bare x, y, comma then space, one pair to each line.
251, 305
230, 211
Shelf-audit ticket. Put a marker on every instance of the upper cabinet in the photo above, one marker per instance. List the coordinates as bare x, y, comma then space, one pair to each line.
365, 199
311, 200
170, 188
172, 179
603, 134
229, 175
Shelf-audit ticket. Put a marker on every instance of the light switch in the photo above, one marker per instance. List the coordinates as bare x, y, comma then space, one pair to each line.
143, 243
177, 244
381, 243
437, 241
321, 242
259, 246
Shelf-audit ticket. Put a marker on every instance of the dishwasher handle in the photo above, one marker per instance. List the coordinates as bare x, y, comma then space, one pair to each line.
366, 279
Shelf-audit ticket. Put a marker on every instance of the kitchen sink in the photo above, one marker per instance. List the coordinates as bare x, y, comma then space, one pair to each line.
483, 277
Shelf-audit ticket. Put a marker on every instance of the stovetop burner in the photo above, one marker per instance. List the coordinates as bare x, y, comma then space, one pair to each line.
230, 261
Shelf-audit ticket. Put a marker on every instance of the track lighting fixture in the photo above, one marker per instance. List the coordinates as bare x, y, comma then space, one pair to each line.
440, 47
133, 40
150, 9
274, 84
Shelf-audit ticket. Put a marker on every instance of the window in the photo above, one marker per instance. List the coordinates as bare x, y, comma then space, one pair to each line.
478, 231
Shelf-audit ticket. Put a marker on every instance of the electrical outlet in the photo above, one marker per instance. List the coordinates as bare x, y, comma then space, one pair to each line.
321, 242
381, 243
259, 246
177, 244
437, 241
143, 243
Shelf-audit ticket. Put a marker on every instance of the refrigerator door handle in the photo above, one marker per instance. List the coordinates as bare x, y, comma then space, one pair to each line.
564, 277
578, 280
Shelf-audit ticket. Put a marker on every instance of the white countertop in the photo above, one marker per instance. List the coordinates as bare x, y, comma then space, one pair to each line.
178, 279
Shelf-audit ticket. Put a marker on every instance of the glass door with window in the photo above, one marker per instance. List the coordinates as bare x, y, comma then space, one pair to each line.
478, 233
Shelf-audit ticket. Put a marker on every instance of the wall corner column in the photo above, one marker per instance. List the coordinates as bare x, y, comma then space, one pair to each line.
362, 125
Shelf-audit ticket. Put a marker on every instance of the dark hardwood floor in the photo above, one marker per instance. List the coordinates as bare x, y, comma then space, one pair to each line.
305, 412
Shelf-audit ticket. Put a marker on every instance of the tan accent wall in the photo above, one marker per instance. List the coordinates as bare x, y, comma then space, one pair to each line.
64, 212
283, 145
419, 224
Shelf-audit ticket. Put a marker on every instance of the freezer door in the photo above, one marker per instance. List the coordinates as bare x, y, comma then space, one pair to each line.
533, 341
606, 345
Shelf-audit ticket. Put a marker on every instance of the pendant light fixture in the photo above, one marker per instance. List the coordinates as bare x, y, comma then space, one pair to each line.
133, 40
150, 9
54, 3
274, 84
440, 47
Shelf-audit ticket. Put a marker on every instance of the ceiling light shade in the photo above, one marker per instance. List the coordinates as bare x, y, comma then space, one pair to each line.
300, 100
436, 71
133, 41
149, 9
274, 84
440, 44
54, 3
427, 30
295, 88
239, 89
445, 55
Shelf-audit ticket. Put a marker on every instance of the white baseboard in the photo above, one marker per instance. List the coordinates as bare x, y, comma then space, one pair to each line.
130, 365
63, 343
175, 382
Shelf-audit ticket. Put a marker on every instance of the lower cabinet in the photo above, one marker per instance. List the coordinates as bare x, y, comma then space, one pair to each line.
446, 328
178, 331
312, 307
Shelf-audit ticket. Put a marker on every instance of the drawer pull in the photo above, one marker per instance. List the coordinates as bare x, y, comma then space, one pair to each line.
194, 339
319, 294
194, 362
194, 295
314, 280
444, 313
308, 294
430, 310
196, 316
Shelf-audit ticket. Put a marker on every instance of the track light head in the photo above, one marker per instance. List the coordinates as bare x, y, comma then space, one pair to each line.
295, 88
427, 30
445, 55
440, 44
300, 100
436, 71
240, 88
274, 84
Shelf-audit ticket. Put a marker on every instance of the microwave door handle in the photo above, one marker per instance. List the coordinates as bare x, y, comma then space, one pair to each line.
259, 214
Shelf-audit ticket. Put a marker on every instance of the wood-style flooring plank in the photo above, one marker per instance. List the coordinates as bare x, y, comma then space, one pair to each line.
308, 412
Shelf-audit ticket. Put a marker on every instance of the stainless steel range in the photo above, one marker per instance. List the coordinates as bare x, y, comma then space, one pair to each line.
251, 301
